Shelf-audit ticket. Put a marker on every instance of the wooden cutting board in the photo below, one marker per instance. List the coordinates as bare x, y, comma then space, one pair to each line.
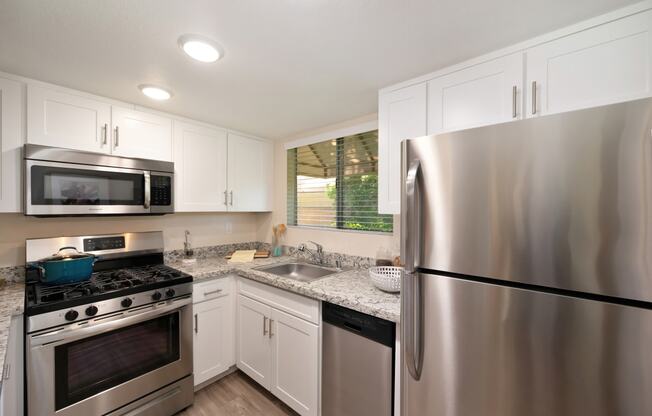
259, 255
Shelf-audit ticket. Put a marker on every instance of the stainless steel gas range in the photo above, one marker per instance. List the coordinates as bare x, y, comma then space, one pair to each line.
117, 344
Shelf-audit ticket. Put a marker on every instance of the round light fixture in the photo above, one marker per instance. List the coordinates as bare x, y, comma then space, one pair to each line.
154, 92
200, 48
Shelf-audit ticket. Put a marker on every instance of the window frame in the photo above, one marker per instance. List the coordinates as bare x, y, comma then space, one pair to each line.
292, 208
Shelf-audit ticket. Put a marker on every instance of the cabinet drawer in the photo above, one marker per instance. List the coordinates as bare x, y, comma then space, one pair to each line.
211, 289
297, 305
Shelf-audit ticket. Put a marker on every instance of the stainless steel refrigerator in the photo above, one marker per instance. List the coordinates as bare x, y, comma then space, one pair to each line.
528, 251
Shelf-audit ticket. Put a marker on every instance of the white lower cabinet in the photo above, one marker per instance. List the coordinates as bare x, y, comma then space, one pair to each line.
278, 349
295, 358
214, 335
11, 395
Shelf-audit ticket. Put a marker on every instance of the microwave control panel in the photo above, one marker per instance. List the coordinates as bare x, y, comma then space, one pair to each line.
161, 190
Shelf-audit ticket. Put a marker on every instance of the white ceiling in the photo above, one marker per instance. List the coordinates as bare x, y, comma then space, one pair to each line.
290, 65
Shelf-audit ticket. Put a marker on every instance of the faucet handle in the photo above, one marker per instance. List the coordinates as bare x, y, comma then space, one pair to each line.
320, 248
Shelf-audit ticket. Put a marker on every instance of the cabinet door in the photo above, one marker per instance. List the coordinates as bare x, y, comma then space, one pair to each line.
602, 65
11, 395
140, 134
483, 94
295, 349
250, 174
214, 338
254, 344
200, 164
401, 115
11, 143
65, 120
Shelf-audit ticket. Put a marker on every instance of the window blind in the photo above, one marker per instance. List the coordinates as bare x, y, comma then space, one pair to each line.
334, 184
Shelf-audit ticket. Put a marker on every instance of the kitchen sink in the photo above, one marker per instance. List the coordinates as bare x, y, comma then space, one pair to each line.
303, 272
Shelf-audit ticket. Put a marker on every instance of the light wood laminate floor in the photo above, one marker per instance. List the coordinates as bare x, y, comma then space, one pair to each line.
236, 395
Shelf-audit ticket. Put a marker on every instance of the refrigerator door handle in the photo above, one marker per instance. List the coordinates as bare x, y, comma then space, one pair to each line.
412, 218
411, 302
412, 324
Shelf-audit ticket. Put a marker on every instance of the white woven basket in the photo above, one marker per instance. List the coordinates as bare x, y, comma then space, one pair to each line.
386, 278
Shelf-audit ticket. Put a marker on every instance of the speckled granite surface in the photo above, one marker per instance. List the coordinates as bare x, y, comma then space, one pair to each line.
13, 303
352, 289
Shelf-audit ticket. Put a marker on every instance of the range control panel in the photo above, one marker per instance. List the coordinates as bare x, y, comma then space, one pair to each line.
104, 243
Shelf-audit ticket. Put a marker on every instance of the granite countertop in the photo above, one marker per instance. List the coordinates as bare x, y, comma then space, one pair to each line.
352, 289
13, 303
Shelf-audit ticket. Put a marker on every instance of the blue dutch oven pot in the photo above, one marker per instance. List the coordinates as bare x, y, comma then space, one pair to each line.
68, 265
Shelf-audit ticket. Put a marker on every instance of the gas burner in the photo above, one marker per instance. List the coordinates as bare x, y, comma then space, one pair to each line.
104, 284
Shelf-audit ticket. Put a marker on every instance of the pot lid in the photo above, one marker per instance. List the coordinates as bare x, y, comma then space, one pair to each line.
66, 253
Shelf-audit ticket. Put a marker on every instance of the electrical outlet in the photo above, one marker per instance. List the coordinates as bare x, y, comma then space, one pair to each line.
229, 227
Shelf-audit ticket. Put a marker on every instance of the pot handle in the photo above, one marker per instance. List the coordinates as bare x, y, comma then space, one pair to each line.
38, 267
68, 248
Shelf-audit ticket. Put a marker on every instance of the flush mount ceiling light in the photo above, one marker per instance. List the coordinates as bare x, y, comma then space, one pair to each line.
154, 92
200, 48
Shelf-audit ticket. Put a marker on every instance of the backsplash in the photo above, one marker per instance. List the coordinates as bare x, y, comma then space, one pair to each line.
220, 250
330, 259
13, 274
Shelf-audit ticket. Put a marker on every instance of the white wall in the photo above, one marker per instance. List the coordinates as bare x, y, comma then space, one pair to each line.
205, 228
347, 242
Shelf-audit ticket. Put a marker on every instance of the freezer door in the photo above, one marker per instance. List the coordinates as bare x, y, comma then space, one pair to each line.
561, 201
497, 351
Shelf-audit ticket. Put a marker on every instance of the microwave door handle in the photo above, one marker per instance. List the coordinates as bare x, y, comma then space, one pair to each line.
411, 293
148, 192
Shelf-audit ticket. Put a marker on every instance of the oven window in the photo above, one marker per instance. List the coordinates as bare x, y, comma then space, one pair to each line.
86, 367
64, 186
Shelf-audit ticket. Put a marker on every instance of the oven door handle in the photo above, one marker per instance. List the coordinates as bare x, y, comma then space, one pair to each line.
75, 332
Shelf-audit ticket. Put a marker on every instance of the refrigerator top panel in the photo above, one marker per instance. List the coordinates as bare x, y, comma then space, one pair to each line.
562, 201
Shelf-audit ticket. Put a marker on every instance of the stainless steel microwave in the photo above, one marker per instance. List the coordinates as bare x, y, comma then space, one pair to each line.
71, 182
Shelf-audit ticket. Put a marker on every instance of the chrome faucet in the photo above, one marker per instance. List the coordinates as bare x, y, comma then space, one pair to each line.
317, 255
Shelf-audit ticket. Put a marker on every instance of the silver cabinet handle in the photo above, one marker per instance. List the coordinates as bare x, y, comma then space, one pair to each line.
196, 324
116, 140
105, 134
212, 292
6, 372
514, 101
534, 97
148, 191
226, 198
270, 328
264, 325
231, 198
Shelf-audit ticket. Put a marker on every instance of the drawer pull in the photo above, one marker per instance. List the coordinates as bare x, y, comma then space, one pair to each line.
212, 292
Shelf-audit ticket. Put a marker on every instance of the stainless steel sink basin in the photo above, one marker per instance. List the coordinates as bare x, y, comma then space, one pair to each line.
299, 271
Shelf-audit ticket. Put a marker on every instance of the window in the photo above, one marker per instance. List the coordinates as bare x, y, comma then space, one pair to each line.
334, 184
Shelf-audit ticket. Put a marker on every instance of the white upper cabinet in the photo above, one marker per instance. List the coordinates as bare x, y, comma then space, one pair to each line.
250, 174
11, 143
602, 65
140, 134
401, 115
200, 163
66, 120
483, 94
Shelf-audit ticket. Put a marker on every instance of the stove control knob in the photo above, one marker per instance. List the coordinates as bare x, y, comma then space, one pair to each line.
71, 315
156, 296
169, 293
126, 302
91, 310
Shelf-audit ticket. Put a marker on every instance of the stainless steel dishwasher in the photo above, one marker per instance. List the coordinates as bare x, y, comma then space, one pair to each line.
357, 363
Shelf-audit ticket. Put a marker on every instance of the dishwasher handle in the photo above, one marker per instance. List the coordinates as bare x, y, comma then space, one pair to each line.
371, 327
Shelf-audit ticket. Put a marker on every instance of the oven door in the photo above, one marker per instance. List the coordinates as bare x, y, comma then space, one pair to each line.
98, 366
53, 188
